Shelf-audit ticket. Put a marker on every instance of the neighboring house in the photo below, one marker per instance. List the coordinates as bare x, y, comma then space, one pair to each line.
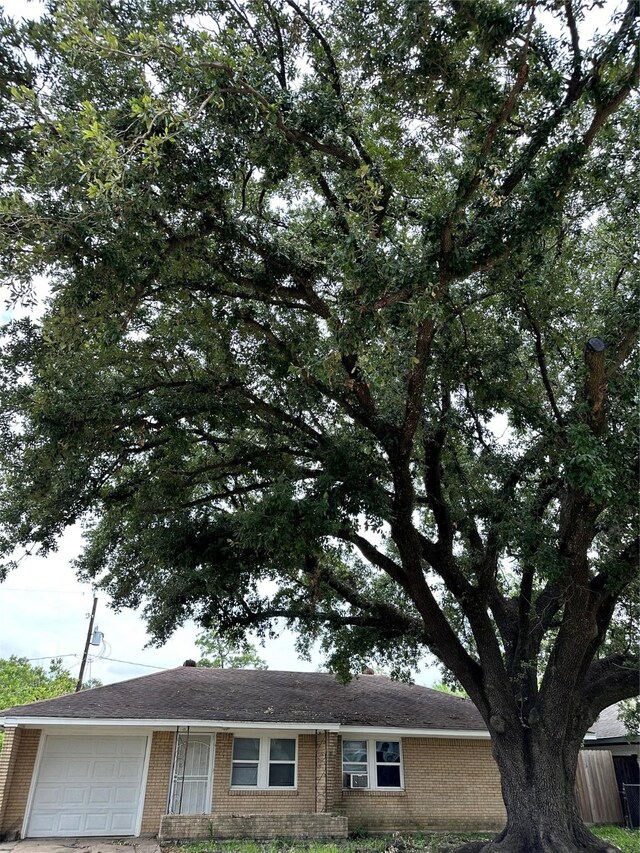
228, 753
610, 733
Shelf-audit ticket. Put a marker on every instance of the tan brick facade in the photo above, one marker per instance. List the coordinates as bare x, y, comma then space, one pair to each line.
158, 779
17, 761
227, 801
449, 783
194, 827
328, 781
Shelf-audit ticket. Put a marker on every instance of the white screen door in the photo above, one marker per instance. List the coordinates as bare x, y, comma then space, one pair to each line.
191, 784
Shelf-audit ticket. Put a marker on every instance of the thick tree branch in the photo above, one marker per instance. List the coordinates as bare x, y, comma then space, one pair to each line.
415, 384
542, 363
374, 556
575, 46
381, 611
573, 94
433, 445
611, 580
610, 680
395, 627
595, 388
466, 193
334, 75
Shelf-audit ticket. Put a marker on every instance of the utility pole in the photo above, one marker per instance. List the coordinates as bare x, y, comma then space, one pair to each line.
86, 645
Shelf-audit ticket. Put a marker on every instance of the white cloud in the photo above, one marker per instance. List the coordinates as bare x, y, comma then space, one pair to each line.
44, 611
24, 8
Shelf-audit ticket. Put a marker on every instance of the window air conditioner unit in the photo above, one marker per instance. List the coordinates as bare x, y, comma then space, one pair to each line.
359, 780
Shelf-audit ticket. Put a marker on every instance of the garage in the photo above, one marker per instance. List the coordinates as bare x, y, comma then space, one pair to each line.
88, 785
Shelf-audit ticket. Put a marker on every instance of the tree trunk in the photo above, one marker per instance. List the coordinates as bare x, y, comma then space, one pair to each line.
538, 783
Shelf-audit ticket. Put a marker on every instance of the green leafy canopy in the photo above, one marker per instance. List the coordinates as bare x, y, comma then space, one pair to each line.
321, 286
221, 653
22, 682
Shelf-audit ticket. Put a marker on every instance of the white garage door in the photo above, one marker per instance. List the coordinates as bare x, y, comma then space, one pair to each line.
88, 785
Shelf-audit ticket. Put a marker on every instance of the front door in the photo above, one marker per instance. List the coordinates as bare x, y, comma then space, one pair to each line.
192, 766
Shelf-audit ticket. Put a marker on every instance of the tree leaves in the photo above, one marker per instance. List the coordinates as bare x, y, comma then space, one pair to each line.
22, 682
320, 287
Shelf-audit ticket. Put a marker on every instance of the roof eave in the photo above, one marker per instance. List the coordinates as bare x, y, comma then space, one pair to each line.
160, 723
618, 739
415, 732
228, 725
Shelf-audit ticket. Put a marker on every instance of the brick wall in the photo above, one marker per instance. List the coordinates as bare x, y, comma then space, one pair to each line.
229, 801
17, 761
326, 758
207, 827
158, 778
449, 784
7, 761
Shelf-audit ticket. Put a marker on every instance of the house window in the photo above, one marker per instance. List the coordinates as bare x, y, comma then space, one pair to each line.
191, 782
263, 762
370, 763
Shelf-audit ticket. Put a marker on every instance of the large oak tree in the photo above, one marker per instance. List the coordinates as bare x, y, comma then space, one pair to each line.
340, 327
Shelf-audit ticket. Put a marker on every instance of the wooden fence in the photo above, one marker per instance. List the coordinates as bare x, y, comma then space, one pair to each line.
596, 787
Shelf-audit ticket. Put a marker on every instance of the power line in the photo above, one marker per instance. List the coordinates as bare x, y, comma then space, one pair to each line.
115, 660
133, 663
52, 657
37, 589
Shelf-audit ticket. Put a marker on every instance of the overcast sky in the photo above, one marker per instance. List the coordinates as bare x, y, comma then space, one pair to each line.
44, 612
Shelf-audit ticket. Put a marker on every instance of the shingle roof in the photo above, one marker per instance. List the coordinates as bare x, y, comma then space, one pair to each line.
609, 725
262, 696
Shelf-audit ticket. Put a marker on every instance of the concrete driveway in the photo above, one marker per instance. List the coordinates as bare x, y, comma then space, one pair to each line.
81, 845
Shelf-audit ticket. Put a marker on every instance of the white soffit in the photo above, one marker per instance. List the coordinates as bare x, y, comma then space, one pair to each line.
230, 725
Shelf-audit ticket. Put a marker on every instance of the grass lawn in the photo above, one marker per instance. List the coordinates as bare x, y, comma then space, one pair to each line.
628, 841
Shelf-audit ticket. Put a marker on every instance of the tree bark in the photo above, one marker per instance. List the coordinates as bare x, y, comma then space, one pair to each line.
538, 774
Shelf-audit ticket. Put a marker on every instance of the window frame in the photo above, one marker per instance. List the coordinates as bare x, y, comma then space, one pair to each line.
264, 762
372, 762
